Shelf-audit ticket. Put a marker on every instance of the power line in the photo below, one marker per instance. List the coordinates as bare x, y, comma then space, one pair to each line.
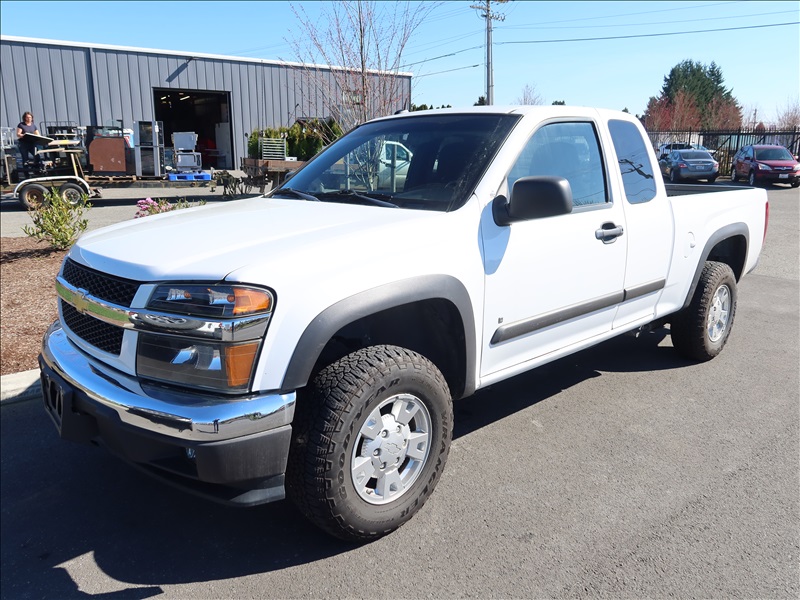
620, 37
509, 27
448, 71
636, 14
647, 35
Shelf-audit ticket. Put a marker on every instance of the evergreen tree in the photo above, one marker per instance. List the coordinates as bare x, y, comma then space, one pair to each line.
698, 89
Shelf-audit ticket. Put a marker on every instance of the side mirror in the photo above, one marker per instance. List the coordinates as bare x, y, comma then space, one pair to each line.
533, 198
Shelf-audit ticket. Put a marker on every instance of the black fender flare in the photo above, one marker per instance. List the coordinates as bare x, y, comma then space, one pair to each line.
346, 311
720, 235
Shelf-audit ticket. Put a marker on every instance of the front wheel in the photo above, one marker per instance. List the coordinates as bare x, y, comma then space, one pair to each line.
751, 179
370, 441
700, 330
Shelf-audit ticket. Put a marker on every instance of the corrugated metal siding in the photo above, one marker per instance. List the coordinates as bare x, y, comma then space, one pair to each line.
99, 86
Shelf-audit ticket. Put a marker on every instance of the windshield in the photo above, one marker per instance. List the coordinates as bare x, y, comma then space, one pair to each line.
773, 154
426, 162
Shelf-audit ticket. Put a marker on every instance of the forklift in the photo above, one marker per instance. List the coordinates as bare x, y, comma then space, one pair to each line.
57, 167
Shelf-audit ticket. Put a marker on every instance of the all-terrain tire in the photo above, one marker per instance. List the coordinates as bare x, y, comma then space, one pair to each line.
370, 440
700, 331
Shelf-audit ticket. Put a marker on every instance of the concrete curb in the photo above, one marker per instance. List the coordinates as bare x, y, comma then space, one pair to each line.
20, 386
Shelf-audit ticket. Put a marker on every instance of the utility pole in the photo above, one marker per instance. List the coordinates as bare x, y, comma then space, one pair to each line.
486, 13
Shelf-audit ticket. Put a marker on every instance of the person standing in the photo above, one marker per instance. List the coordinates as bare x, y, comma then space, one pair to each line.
27, 148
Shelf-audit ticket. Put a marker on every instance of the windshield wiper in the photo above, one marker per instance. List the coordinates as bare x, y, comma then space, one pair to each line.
364, 198
296, 193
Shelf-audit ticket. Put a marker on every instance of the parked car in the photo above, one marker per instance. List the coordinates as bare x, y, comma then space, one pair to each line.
711, 151
665, 149
689, 164
764, 164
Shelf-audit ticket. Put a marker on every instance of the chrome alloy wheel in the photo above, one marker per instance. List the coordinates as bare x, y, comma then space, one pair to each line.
719, 313
392, 447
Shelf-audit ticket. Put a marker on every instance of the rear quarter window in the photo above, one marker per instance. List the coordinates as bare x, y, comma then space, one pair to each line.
638, 179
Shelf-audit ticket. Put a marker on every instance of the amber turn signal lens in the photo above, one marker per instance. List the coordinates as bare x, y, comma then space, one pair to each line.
251, 301
239, 363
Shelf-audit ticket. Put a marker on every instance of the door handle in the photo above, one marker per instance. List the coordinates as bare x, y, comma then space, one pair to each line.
609, 232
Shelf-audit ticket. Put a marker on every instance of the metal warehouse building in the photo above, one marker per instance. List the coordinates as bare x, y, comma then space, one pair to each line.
220, 97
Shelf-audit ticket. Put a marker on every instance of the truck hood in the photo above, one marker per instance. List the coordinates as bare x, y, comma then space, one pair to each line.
210, 242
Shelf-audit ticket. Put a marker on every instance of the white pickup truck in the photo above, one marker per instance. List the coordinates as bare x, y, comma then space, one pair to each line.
310, 343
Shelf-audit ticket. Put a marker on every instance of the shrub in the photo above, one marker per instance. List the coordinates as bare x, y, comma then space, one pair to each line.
58, 222
303, 140
148, 206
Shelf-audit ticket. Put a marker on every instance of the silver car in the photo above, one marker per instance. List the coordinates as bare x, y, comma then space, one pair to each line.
688, 165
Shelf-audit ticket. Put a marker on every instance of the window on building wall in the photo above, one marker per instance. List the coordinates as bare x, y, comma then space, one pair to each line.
638, 179
568, 150
352, 98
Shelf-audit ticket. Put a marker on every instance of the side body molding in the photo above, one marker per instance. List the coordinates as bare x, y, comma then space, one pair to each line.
729, 231
363, 304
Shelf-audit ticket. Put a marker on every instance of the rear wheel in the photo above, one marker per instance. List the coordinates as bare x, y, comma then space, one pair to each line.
33, 195
673, 176
72, 193
369, 442
712, 179
700, 330
734, 175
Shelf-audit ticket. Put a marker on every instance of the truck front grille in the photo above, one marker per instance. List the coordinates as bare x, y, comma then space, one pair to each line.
107, 338
115, 290
107, 287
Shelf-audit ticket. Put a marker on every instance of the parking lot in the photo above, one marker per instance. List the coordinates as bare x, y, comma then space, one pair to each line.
621, 471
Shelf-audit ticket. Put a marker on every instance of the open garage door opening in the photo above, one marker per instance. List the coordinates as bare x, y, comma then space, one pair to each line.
201, 112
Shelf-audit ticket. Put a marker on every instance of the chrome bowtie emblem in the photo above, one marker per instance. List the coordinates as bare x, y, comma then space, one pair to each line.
80, 302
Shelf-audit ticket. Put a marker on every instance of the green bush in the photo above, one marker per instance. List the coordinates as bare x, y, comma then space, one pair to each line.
58, 222
302, 140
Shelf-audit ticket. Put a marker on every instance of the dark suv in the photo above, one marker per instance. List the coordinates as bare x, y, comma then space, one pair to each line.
765, 164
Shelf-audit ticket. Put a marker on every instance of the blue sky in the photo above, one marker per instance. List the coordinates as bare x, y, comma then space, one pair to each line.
537, 44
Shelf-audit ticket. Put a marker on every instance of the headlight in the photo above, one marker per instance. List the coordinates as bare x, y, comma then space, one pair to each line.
763, 167
196, 363
796, 167
214, 300
216, 348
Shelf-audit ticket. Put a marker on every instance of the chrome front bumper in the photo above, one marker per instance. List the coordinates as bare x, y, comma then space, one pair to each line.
181, 415
229, 449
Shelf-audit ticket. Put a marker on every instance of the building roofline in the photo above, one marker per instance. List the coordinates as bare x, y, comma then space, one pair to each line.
182, 53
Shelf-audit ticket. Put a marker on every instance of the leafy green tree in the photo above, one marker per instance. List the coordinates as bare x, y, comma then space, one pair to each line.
481, 101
